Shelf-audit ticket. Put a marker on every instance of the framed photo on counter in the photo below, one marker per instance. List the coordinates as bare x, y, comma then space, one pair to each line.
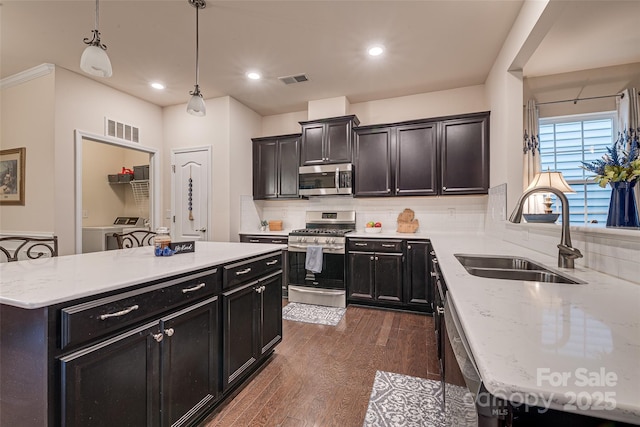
12, 162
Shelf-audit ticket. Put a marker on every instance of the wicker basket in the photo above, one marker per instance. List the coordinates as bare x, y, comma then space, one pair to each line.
275, 225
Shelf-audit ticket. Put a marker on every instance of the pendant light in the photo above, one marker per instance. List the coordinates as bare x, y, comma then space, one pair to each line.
94, 59
196, 105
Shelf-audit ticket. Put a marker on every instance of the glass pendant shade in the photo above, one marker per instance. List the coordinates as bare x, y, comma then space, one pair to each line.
196, 105
95, 61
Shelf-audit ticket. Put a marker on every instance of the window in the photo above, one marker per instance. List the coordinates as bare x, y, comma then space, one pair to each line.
566, 142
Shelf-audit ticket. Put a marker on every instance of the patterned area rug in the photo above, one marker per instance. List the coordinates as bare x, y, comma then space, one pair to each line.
309, 313
404, 401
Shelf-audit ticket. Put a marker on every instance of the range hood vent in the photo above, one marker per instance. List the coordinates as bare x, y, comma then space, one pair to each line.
299, 78
121, 130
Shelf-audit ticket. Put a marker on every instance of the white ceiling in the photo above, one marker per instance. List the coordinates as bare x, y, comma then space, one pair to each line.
430, 45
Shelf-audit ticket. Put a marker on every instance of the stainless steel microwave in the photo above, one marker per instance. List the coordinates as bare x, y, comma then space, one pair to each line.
325, 180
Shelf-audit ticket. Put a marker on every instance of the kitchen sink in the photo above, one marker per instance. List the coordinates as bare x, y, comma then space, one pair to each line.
512, 268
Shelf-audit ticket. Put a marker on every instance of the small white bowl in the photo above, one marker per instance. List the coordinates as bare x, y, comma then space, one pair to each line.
373, 230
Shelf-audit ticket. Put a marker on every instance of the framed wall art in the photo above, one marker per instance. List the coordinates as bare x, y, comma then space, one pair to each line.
12, 163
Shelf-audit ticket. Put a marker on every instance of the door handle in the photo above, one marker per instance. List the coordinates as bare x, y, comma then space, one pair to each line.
202, 229
337, 179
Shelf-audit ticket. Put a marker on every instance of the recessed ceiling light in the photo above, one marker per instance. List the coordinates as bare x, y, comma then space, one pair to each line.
375, 50
157, 85
253, 75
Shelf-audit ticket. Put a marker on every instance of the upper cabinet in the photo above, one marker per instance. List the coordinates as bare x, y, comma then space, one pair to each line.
275, 167
327, 140
422, 158
464, 155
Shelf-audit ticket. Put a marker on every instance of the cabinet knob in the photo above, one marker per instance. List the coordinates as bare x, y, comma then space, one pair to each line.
169, 332
371, 258
158, 337
435, 261
408, 246
397, 190
376, 258
434, 274
433, 253
440, 310
444, 188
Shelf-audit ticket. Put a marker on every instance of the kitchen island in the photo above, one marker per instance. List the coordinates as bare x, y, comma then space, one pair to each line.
569, 347
126, 338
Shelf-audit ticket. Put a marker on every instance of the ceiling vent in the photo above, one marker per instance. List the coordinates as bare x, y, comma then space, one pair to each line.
121, 130
293, 79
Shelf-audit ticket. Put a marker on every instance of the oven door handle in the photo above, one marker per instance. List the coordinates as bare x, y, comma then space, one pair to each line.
325, 249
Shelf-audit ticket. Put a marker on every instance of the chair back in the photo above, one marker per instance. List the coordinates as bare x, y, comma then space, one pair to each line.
16, 248
134, 239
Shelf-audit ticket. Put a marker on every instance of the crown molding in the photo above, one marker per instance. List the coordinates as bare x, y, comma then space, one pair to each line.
26, 75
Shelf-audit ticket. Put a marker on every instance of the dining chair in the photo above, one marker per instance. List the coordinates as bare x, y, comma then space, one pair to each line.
17, 248
134, 239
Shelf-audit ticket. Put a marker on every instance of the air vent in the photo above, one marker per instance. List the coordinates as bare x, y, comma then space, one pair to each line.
121, 130
293, 79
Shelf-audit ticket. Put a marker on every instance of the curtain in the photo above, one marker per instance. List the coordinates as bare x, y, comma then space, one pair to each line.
628, 109
531, 152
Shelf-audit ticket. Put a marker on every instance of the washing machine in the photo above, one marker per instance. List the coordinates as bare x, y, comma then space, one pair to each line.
100, 238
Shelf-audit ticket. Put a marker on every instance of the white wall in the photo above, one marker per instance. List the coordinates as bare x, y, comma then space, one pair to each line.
282, 124
243, 124
82, 103
27, 120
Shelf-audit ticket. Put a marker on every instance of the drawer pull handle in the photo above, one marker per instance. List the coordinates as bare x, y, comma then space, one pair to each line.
245, 271
388, 246
119, 313
275, 261
433, 274
254, 241
277, 241
260, 289
361, 244
195, 288
158, 337
169, 332
440, 310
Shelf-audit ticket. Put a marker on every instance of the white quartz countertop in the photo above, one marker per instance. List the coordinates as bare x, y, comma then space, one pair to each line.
388, 233
43, 282
526, 336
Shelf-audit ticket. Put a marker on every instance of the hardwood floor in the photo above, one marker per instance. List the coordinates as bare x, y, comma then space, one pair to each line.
323, 375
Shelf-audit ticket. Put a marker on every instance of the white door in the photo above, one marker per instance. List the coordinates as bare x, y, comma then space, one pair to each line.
190, 182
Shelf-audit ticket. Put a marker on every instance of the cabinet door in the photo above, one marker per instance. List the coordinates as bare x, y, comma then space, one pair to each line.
288, 159
372, 162
265, 168
361, 276
113, 383
189, 362
464, 151
270, 312
416, 160
312, 144
388, 277
417, 279
239, 329
338, 142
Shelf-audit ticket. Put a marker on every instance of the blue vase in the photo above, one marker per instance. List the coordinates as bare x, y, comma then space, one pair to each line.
623, 211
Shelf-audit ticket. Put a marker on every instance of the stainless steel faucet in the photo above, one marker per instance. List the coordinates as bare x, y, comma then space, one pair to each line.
566, 253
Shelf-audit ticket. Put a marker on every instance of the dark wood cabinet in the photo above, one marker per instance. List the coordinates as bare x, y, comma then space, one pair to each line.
375, 271
152, 375
252, 325
275, 167
327, 140
256, 238
464, 155
396, 160
418, 292
416, 159
372, 162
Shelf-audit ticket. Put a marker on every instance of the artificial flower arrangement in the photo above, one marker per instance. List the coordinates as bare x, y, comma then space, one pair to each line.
620, 163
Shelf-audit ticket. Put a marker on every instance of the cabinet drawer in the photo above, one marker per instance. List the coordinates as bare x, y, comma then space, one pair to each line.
243, 271
277, 240
375, 245
93, 319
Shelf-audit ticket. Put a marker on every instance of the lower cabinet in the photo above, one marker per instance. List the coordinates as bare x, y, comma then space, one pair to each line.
161, 373
375, 270
389, 272
252, 325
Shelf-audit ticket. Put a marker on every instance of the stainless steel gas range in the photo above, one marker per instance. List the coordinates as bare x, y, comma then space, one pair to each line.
325, 234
